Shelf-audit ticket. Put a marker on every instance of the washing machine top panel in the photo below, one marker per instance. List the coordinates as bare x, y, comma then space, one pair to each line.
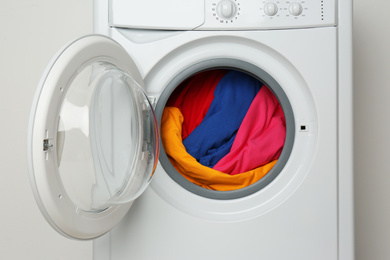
93, 138
221, 14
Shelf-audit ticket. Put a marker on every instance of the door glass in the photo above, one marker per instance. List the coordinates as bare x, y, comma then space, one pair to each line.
107, 139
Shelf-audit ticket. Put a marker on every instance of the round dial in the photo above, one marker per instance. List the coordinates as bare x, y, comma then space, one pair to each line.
226, 9
270, 9
295, 9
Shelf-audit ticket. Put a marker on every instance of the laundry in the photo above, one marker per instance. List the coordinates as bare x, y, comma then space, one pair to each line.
194, 96
213, 138
191, 169
260, 138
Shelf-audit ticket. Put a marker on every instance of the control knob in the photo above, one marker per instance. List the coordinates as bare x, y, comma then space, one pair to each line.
270, 9
226, 9
295, 9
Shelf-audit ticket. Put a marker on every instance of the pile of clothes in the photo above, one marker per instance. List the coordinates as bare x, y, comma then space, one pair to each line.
223, 129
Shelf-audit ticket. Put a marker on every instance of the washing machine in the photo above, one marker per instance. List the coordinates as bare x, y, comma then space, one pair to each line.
101, 170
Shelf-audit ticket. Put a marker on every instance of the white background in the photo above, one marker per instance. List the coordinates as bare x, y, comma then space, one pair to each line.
31, 31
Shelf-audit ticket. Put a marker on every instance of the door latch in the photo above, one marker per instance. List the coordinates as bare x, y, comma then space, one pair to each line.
47, 144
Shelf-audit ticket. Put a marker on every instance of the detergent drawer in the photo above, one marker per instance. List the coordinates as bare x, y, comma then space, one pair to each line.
156, 14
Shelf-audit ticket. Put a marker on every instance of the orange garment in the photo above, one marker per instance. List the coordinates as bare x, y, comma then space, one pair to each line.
171, 128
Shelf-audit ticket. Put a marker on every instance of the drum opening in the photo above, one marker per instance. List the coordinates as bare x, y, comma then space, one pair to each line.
227, 131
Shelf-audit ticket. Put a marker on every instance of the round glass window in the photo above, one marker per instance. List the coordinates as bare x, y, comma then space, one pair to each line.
107, 140
226, 132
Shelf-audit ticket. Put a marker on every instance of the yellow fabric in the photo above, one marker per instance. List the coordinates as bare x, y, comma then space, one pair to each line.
171, 129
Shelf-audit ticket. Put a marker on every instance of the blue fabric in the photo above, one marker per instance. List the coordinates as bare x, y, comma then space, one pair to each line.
214, 137
213, 155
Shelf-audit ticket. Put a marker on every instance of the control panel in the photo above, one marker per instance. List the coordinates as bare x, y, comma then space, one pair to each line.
221, 14
268, 14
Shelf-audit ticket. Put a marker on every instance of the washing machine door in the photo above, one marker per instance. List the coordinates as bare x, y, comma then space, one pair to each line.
93, 138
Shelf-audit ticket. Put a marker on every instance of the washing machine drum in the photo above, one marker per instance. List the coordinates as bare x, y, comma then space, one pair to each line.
223, 129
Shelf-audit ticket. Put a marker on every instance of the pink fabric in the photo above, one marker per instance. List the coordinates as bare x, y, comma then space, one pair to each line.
194, 96
259, 139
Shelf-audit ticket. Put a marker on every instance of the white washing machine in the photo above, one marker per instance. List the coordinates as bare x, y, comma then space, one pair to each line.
99, 171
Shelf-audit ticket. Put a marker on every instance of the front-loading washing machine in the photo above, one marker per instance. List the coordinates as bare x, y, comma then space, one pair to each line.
108, 159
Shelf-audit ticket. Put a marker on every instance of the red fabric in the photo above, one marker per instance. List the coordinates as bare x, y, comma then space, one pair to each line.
194, 96
259, 139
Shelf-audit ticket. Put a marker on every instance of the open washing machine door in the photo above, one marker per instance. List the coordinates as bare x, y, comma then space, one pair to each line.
93, 138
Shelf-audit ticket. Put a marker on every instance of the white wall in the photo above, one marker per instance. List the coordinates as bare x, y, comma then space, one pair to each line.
31, 31
372, 128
